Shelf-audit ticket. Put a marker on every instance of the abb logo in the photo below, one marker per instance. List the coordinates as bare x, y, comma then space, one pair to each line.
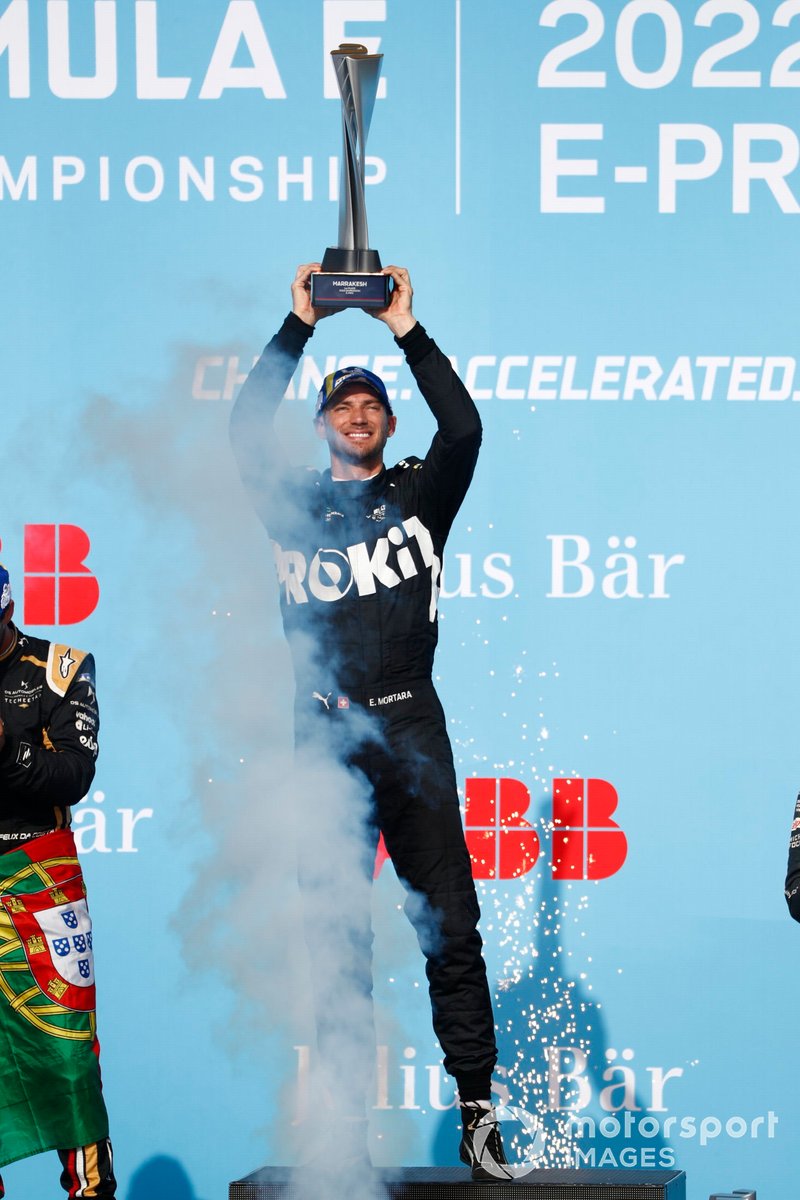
587, 844
58, 588
501, 844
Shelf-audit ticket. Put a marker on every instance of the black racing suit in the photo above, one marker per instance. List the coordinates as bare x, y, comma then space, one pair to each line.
793, 869
359, 565
49, 711
48, 706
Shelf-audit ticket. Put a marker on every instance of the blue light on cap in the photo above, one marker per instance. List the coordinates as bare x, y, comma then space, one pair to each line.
5, 589
334, 382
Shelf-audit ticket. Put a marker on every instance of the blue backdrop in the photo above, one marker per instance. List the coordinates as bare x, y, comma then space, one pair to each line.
597, 203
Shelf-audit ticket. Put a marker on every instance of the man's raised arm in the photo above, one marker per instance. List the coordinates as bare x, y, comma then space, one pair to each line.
262, 462
450, 462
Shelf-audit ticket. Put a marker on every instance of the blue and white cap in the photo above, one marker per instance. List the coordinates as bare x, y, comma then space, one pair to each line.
334, 382
5, 589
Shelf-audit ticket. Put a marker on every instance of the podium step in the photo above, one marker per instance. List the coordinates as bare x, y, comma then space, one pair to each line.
454, 1183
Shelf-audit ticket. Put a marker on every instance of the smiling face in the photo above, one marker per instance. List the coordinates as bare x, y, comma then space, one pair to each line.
356, 426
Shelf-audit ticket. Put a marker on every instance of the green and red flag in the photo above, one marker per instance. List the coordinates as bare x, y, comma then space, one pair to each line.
50, 1092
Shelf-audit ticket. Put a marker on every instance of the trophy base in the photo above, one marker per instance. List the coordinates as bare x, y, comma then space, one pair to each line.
349, 289
351, 261
350, 279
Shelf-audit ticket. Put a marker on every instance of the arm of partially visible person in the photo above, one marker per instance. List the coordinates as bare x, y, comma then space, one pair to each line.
60, 771
448, 466
262, 462
792, 887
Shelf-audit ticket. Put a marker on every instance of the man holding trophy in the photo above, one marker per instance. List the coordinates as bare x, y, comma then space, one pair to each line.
364, 642
358, 550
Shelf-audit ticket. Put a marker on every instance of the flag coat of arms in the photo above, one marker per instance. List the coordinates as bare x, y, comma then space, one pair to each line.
50, 1092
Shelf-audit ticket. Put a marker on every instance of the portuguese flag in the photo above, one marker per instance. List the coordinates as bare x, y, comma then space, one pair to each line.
50, 1093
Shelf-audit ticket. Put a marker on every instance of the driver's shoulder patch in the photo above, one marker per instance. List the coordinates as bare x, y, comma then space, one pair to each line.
62, 666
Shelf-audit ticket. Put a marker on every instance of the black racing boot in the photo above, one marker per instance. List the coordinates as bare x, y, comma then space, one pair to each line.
481, 1144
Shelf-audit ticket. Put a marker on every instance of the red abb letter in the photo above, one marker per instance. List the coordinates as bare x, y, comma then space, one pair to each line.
587, 844
501, 844
59, 588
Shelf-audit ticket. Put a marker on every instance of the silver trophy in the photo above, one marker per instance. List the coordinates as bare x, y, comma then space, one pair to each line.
351, 272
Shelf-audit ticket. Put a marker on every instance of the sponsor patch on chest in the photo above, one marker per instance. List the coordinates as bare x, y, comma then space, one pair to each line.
23, 695
403, 553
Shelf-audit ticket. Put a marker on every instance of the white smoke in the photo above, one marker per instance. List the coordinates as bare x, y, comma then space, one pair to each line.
260, 807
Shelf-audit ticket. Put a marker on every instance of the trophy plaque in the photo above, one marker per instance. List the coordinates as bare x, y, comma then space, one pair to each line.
351, 272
